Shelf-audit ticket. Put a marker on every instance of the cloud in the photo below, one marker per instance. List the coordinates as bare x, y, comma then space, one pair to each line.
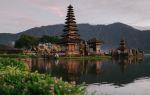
57, 10
132, 12
142, 22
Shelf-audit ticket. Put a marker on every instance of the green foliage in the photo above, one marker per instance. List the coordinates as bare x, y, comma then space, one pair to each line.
26, 41
14, 56
17, 56
9, 62
47, 39
93, 57
16, 80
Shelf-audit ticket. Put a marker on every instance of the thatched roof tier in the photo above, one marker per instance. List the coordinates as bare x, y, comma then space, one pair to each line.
70, 34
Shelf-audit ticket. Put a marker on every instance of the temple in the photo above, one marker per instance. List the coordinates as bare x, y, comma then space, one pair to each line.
70, 37
124, 51
71, 40
95, 46
72, 44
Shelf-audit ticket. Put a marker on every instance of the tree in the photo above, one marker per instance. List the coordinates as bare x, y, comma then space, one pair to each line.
26, 41
49, 39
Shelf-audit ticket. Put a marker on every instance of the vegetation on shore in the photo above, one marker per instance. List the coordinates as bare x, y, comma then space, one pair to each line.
17, 55
17, 80
13, 56
96, 57
27, 41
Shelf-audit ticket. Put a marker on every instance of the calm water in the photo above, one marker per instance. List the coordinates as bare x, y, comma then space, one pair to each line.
111, 77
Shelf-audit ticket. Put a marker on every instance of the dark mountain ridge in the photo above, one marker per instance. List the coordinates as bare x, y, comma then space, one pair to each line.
110, 34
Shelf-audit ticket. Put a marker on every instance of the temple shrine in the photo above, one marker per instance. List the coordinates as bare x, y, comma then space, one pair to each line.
71, 40
70, 37
124, 51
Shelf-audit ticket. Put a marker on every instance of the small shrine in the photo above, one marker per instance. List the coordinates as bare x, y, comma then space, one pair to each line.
124, 51
95, 46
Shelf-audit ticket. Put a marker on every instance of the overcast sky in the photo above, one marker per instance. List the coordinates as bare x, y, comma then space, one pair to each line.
20, 15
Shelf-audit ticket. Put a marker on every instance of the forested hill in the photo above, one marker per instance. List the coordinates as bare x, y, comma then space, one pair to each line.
110, 34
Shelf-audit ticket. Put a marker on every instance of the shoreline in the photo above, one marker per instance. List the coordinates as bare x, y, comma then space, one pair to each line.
51, 57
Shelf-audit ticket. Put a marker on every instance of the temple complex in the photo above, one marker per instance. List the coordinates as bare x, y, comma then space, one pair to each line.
71, 43
71, 40
124, 51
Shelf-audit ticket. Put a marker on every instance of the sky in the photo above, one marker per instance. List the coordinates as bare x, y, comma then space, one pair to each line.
20, 15
137, 87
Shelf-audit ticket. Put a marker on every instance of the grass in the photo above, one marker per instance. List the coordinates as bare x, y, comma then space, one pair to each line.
85, 57
16, 56
91, 57
15, 79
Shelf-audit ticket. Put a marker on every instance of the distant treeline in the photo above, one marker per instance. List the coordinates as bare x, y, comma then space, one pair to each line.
27, 41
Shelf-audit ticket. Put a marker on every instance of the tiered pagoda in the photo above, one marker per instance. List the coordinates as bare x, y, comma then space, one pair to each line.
123, 45
124, 51
70, 37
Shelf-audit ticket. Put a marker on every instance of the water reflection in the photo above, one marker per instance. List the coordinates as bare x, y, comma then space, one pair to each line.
138, 87
70, 70
124, 62
115, 71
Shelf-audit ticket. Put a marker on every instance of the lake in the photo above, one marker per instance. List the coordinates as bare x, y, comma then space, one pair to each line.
110, 77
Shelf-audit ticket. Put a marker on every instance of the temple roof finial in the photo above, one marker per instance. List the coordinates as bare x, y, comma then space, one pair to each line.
70, 6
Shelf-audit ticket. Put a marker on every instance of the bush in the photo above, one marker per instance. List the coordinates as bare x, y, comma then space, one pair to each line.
16, 80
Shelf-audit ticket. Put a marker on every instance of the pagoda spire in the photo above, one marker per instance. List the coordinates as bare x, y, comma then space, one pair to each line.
70, 30
123, 44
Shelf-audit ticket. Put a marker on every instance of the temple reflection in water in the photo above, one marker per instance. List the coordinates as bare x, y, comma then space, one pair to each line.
70, 69
86, 70
124, 62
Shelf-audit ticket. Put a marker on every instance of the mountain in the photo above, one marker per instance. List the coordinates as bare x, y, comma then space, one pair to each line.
110, 34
